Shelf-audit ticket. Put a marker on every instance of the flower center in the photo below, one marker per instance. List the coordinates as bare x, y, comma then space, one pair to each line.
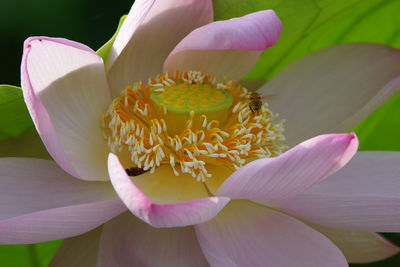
190, 92
188, 120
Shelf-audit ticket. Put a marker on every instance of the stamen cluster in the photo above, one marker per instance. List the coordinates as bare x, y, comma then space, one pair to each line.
133, 125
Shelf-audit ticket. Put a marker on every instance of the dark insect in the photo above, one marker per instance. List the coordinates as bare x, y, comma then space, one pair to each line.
135, 171
255, 102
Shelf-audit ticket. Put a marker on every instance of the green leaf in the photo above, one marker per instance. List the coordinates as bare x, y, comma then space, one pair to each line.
14, 116
105, 49
381, 130
310, 25
33, 255
46, 250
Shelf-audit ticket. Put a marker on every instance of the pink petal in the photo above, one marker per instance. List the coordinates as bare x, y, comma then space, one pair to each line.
226, 48
333, 89
363, 196
127, 241
161, 215
246, 234
135, 17
359, 247
66, 93
78, 251
292, 172
27, 145
148, 35
58, 223
31, 185
41, 202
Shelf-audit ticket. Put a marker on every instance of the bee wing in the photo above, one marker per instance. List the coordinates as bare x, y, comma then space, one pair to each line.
267, 97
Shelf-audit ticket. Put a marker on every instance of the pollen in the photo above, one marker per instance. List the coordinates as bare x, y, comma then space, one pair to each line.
189, 120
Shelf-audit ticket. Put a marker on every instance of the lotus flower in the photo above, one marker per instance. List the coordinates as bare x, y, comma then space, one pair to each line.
179, 171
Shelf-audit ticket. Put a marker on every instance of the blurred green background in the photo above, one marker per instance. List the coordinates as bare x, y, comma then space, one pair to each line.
309, 25
85, 21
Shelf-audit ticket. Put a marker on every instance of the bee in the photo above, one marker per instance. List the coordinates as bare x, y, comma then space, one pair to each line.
256, 102
134, 171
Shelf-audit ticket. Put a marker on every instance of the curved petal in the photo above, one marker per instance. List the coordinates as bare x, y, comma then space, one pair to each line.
359, 247
148, 35
127, 241
292, 172
226, 48
31, 185
26, 145
58, 223
161, 215
80, 251
333, 89
66, 93
363, 196
41, 202
246, 234
135, 17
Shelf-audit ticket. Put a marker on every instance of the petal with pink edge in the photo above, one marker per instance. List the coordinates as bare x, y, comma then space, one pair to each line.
359, 247
31, 185
127, 241
148, 35
246, 234
292, 172
66, 92
226, 48
135, 17
62, 222
40, 202
333, 89
161, 215
80, 251
363, 196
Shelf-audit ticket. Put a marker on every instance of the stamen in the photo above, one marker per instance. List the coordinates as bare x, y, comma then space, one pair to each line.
191, 120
